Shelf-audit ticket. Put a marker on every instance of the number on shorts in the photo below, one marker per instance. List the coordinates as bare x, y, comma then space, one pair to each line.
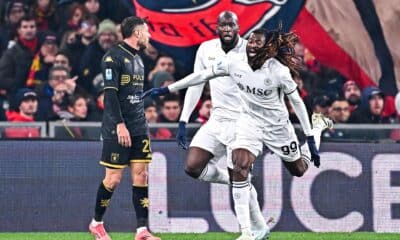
291, 148
146, 147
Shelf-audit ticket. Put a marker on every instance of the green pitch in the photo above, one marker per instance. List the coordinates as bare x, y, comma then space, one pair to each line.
206, 236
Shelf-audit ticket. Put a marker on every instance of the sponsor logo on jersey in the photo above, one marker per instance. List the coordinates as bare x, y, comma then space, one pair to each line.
125, 79
109, 74
253, 90
133, 99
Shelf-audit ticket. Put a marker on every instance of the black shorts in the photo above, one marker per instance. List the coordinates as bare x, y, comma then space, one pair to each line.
116, 156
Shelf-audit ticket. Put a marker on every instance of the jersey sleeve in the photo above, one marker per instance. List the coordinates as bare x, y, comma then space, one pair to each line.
193, 93
198, 61
287, 83
111, 70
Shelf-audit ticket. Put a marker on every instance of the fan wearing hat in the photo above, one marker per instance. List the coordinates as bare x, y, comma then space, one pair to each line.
90, 64
371, 107
27, 104
13, 12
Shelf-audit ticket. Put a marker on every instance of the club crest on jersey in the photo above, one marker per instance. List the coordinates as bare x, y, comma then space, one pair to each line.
267, 82
183, 23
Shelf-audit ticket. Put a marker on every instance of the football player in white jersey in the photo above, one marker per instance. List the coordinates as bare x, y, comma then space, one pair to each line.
210, 144
263, 81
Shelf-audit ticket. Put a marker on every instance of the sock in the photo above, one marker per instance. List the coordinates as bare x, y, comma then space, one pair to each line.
140, 229
95, 223
257, 219
102, 202
317, 136
212, 173
241, 200
140, 202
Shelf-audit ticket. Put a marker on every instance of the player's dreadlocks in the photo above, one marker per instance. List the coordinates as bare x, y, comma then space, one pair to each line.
279, 45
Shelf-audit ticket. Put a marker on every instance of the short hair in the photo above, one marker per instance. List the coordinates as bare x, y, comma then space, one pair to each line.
164, 55
172, 97
58, 68
26, 18
129, 24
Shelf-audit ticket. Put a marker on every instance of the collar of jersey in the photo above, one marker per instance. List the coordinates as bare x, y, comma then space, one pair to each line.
128, 48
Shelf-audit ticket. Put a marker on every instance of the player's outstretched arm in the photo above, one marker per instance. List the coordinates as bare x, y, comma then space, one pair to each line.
192, 79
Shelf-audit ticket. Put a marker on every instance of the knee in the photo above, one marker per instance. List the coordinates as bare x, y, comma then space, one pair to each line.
140, 176
111, 182
299, 171
241, 170
192, 171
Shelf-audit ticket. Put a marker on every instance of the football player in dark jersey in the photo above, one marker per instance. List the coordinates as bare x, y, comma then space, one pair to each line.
124, 130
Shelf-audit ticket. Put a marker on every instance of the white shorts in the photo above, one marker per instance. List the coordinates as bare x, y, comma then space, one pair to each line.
251, 136
215, 137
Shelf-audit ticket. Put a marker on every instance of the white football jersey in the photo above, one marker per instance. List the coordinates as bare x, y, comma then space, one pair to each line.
261, 91
224, 91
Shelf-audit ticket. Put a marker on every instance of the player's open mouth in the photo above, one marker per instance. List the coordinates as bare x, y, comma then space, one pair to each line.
251, 52
227, 37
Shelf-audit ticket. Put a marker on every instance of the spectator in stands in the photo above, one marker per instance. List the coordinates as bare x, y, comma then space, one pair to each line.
59, 99
27, 105
44, 12
352, 94
91, 60
61, 59
75, 43
162, 79
77, 107
75, 13
371, 107
339, 111
150, 111
13, 12
96, 107
163, 63
43, 60
204, 112
92, 7
321, 104
16, 61
170, 109
45, 91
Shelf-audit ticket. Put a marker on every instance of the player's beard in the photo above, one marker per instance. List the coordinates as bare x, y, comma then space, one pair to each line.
231, 44
142, 46
258, 60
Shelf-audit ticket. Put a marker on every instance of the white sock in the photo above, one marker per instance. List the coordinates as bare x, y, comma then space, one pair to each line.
317, 136
140, 229
257, 219
213, 173
241, 200
94, 223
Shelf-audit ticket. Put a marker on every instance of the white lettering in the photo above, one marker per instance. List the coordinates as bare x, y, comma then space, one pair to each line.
383, 194
301, 195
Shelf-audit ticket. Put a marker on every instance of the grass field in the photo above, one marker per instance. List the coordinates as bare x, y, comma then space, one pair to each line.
207, 236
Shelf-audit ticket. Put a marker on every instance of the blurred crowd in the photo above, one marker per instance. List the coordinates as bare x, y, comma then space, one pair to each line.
50, 56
